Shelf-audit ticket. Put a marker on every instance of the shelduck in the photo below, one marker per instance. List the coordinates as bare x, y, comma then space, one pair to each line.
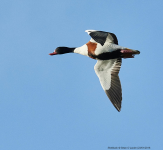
103, 46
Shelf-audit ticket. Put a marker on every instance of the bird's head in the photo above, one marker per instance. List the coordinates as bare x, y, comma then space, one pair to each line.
62, 50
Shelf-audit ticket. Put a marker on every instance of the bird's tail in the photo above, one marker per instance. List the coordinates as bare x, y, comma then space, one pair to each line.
129, 53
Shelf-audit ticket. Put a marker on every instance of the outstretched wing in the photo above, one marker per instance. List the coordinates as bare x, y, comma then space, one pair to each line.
102, 37
107, 71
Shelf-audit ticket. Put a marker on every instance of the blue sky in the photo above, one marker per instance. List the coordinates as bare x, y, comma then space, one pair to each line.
57, 102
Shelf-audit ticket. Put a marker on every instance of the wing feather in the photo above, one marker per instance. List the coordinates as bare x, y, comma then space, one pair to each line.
102, 36
107, 71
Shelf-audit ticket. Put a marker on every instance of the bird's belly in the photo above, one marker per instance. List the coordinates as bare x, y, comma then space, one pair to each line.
109, 55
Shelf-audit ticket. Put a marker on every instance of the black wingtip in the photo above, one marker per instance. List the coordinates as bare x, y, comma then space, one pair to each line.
118, 109
99, 36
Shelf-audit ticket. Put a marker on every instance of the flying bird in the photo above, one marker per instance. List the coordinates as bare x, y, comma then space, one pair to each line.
103, 47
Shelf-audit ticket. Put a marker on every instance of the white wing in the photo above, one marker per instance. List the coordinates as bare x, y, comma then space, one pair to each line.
107, 71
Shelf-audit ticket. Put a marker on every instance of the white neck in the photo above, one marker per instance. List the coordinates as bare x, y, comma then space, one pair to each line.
83, 50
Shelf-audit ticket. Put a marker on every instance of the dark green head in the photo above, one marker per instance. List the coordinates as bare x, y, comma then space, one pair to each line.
62, 50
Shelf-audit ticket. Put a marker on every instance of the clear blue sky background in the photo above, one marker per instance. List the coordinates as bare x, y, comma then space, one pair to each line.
57, 103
